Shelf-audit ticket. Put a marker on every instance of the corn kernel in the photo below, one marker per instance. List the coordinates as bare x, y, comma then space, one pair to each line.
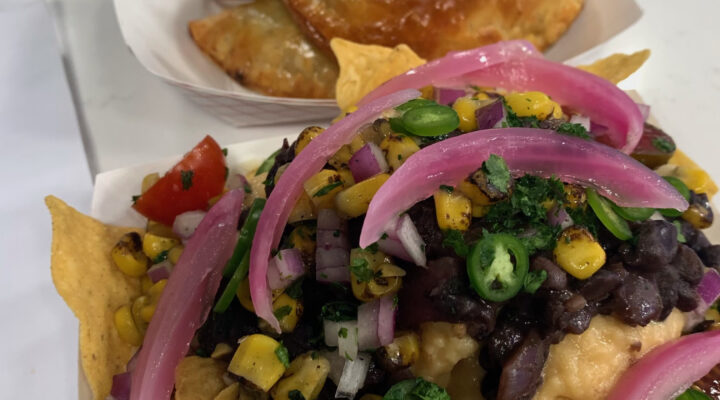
147, 312
323, 187
256, 360
387, 277
148, 181
126, 328
231, 392
473, 192
158, 229
301, 238
221, 351
157, 288
288, 312
403, 351
712, 315
398, 148
305, 374
243, 295
175, 253
304, 210
136, 309
453, 210
355, 200
306, 136
696, 178
537, 104
128, 256
153, 245
146, 283
347, 177
480, 211
427, 92
578, 253
465, 108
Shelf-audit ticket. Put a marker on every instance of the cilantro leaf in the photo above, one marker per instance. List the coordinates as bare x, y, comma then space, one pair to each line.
281, 352
454, 238
339, 311
416, 389
576, 130
533, 280
360, 268
135, 198
343, 332
447, 188
680, 236
162, 256
295, 290
282, 312
186, 177
497, 172
327, 189
663, 144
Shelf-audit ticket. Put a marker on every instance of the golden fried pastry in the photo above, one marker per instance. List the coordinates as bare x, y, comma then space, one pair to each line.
260, 46
434, 27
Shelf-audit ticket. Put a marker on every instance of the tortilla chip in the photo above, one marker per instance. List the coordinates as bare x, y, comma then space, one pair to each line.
365, 67
198, 378
93, 288
617, 67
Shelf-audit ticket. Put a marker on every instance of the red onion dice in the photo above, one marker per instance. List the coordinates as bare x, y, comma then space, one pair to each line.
286, 267
490, 115
447, 96
160, 271
367, 162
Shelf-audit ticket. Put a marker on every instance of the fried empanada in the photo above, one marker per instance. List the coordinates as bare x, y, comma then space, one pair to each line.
434, 27
260, 46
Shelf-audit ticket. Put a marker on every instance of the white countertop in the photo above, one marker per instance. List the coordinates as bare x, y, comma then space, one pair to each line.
128, 117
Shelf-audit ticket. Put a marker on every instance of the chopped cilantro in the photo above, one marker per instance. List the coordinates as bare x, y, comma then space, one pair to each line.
186, 178
343, 333
224, 151
227, 172
513, 121
283, 355
533, 280
135, 198
339, 311
295, 290
162, 256
663, 144
282, 312
384, 236
416, 389
373, 248
680, 237
336, 233
396, 301
497, 172
247, 188
447, 188
454, 238
327, 189
361, 270
295, 395
692, 394
347, 356
399, 157
576, 130
314, 355
585, 218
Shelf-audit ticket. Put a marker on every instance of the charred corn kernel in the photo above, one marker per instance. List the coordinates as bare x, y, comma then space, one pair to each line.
303, 210
146, 283
397, 149
529, 104
575, 196
158, 229
128, 255
156, 289
153, 245
323, 187
473, 192
712, 315
480, 211
175, 253
243, 295
578, 253
465, 108
698, 216
136, 309
341, 158
256, 360
402, 352
346, 177
355, 200
306, 136
147, 312
452, 209
221, 351
692, 175
306, 374
387, 278
126, 328
302, 238
288, 312
149, 180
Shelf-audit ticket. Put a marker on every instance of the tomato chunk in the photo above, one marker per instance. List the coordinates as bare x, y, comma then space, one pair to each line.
187, 186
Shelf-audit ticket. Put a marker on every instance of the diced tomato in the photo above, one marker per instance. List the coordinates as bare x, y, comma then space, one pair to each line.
187, 186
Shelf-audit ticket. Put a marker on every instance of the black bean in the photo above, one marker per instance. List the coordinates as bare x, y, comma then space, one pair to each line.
556, 277
599, 286
656, 244
687, 297
425, 220
637, 301
522, 373
688, 264
711, 256
694, 238
666, 280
